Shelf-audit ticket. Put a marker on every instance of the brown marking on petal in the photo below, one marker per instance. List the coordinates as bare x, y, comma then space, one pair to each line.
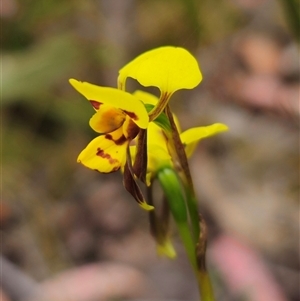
96, 104
102, 154
131, 115
119, 141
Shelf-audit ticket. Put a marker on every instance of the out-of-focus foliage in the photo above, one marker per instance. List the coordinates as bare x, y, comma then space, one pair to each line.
293, 16
32, 72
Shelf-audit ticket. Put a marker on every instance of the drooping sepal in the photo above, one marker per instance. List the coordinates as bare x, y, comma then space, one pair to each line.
141, 156
131, 185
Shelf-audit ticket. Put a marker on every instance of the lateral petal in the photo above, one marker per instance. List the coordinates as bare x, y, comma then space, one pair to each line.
191, 137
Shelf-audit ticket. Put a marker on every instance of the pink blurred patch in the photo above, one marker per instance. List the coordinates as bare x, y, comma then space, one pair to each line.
102, 281
3, 296
243, 271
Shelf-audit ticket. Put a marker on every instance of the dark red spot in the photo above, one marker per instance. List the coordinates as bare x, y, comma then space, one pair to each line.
119, 141
96, 104
102, 154
131, 115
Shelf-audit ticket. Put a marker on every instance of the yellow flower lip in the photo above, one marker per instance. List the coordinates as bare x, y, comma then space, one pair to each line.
169, 68
105, 153
122, 100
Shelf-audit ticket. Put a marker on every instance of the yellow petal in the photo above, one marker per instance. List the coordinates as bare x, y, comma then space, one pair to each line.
192, 136
106, 153
168, 68
128, 103
158, 154
146, 97
158, 157
107, 119
155, 135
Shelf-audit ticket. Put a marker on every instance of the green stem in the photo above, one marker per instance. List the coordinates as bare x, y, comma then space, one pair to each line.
172, 189
193, 212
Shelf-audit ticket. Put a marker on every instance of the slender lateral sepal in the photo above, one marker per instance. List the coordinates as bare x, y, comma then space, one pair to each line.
131, 185
177, 148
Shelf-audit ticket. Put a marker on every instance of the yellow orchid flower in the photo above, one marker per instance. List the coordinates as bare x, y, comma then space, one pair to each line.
119, 117
167, 68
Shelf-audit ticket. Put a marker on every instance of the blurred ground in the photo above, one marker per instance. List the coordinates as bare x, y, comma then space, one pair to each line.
69, 227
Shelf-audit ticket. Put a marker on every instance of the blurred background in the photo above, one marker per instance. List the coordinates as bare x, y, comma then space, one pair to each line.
78, 233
